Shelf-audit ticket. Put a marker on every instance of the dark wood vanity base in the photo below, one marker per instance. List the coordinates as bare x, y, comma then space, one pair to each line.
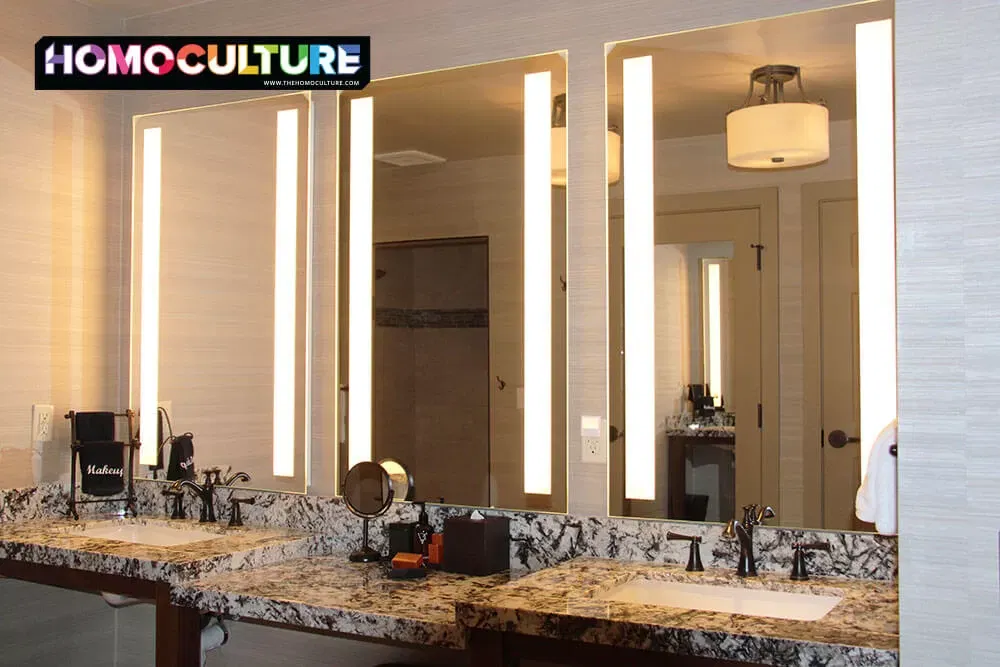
178, 630
489, 648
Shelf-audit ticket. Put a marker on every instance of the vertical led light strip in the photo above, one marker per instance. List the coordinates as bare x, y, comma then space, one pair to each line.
286, 180
359, 410
713, 328
149, 322
537, 283
640, 353
876, 230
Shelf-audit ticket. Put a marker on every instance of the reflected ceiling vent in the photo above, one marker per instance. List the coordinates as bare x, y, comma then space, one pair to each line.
409, 158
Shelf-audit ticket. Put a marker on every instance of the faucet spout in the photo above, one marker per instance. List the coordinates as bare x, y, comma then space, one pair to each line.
205, 493
747, 566
236, 476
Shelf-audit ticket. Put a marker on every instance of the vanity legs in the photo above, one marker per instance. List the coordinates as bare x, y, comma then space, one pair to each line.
487, 649
178, 632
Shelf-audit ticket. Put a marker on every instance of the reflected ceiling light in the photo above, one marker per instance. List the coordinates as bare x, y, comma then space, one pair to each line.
537, 273
149, 313
776, 134
559, 155
876, 231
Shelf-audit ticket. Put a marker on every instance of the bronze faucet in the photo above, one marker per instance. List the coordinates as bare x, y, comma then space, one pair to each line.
753, 515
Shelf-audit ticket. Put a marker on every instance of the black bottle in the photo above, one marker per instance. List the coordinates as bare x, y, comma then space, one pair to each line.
422, 531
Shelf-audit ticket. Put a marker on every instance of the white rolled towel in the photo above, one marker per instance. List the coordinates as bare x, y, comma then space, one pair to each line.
876, 499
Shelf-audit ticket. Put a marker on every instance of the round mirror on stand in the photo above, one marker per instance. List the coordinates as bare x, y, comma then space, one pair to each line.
400, 477
368, 493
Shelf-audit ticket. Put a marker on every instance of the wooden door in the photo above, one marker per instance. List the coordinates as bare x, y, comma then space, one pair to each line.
840, 358
832, 352
746, 219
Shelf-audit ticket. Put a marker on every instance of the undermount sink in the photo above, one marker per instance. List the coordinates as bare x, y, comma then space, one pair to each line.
724, 599
148, 534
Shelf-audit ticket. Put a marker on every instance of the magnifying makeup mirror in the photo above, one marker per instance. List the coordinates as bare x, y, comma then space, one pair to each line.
368, 492
401, 479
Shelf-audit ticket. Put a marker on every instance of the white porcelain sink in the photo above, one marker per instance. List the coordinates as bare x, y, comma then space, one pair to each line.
724, 599
150, 534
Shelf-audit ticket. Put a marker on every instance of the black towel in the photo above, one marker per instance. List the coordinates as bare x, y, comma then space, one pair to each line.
102, 468
181, 457
95, 426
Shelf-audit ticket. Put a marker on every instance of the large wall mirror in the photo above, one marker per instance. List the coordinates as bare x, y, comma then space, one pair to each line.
452, 301
752, 267
220, 289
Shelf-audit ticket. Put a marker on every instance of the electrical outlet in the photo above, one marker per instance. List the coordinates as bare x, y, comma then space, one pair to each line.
41, 422
592, 440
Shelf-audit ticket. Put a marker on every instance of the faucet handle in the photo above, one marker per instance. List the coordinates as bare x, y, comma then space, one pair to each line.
236, 516
765, 513
799, 572
694, 550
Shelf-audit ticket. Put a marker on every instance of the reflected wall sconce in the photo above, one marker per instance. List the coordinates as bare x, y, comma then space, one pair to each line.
640, 333
559, 154
712, 280
149, 314
539, 150
361, 280
876, 230
774, 133
285, 278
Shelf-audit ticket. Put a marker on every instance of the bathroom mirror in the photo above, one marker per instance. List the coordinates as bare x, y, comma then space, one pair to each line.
403, 486
220, 295
453, 302
368, 492
751, 267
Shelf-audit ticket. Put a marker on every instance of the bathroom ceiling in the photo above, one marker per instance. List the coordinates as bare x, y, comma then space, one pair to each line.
699, 76
459, 114
127, 9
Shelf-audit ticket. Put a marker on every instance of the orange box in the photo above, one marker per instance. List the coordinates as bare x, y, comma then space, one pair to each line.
435, 553
438, 539
405, 561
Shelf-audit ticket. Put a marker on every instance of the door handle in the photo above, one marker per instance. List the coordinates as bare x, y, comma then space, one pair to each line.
838, 439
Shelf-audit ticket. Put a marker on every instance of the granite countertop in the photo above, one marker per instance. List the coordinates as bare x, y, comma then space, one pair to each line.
330, 593
59, 542
564, 602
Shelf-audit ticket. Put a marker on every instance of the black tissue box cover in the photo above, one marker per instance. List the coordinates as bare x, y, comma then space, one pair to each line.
476, 547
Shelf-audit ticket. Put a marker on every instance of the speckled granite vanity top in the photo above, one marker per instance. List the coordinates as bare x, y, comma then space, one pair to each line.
62, 543
564, 602
330, 593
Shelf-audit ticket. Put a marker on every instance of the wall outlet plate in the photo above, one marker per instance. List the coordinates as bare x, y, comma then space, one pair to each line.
593, 445
593, 450
41, 422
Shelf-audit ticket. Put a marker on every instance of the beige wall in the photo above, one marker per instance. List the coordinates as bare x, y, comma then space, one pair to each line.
60, 264
62, 341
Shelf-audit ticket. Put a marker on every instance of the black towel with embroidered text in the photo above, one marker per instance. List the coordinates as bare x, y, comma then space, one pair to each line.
102, 468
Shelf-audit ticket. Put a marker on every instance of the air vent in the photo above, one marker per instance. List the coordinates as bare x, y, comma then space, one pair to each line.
408, 158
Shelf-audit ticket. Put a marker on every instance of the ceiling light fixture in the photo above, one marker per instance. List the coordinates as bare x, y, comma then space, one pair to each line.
776, 134
559, 146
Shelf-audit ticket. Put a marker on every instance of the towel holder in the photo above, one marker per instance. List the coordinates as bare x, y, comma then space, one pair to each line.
75, 446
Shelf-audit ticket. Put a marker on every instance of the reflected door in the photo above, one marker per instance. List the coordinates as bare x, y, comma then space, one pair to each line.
712, 231
840, 362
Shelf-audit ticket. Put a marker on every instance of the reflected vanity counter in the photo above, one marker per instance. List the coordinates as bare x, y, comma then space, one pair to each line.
570, 603
149, 549
330, 593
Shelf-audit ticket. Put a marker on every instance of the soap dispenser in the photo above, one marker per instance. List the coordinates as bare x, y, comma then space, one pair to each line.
422, 531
